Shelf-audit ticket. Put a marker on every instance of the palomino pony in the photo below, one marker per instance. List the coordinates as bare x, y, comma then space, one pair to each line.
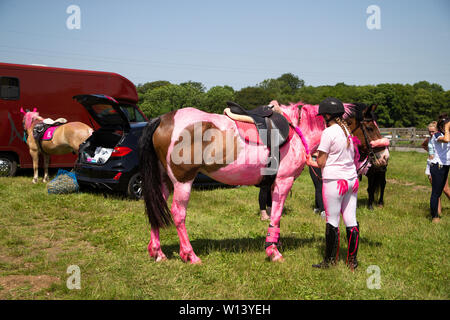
66, 138
171, 143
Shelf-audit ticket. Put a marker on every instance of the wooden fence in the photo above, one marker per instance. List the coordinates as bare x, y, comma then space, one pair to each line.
405, 139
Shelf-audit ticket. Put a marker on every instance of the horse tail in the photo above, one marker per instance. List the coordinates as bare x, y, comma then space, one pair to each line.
156, 206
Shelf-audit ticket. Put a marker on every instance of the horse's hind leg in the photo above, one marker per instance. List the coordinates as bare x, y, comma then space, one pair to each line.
46, 162
382, 182
181, 195
154, 246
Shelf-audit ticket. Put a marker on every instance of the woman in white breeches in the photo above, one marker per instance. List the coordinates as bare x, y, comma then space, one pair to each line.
337, 202
340, 183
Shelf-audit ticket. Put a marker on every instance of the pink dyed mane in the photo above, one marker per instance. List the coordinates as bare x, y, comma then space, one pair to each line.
311, 126
30, 116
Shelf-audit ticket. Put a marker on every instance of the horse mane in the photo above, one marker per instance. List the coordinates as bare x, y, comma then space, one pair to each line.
350, 111
292, 111
30, 117
311, 125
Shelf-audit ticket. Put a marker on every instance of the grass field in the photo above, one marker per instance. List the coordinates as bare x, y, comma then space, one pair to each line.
42, 235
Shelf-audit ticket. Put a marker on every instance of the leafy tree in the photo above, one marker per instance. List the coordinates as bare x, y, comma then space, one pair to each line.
171, 97
252, 97
216, 98
196, 85
399, 105
292, 81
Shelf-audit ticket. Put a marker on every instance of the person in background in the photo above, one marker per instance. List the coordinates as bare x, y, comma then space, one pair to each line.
316, 177
427, 146
440, 164
265, 202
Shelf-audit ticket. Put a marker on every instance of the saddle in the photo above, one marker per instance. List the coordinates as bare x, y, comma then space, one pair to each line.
43, 131
272, 126
273, 130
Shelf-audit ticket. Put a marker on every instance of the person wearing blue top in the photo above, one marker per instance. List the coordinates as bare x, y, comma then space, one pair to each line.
440, 164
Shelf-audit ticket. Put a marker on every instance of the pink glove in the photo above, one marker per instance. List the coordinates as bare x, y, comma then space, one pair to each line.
356, 186
342, 186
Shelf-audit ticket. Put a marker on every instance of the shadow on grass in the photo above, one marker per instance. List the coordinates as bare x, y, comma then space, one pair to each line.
241, 245
206, 246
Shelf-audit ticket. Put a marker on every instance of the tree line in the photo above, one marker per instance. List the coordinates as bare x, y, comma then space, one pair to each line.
399, 105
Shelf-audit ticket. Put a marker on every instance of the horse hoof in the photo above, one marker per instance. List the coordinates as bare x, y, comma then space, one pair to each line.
190, 257
34, 181
160, 258
196, 261
273, 254
277, 258
370, 207
156, 253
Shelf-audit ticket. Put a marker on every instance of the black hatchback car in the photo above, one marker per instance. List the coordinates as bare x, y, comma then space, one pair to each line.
109, 158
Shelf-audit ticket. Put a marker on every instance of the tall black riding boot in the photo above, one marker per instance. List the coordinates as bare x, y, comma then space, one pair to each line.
332, 247
353, 244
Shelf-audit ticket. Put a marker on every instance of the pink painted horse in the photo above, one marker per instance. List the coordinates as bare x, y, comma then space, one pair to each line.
176, 146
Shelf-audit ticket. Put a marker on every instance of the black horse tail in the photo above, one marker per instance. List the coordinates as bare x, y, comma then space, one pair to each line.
156, 206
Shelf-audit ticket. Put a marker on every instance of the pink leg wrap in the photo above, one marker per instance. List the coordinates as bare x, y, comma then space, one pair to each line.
342, 186
273, 234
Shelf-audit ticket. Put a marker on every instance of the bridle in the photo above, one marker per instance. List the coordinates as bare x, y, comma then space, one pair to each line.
371, 156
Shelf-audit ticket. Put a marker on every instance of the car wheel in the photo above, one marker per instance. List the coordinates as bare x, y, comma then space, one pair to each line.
134, 190
8, 165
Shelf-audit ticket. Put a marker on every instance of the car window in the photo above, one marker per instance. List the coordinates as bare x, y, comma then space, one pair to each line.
132, 114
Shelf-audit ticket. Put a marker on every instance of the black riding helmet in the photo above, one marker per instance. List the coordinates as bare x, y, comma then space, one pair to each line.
331, 106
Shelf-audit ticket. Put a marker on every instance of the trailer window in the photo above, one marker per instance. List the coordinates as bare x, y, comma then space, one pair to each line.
9, 88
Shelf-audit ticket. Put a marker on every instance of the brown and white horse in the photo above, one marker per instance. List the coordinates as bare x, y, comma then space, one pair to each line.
177, 145
66, 138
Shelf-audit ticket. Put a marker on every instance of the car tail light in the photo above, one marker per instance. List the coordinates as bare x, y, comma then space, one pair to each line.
120, 151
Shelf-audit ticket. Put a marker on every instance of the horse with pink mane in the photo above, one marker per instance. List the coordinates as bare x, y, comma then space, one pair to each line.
57, 139
177, 145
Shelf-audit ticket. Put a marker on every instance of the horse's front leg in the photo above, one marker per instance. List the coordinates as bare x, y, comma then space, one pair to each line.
46, 162
181, 195
35, 157
280, 191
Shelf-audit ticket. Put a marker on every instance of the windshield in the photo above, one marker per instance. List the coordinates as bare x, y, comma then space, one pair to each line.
132, 113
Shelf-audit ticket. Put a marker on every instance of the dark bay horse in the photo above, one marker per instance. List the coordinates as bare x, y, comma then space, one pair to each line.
374, 156
176, 146
65, 138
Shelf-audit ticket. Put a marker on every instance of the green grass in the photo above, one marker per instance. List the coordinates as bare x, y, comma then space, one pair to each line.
41, 235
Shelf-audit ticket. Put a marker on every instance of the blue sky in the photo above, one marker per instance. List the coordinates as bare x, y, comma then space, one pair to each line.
237, 43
